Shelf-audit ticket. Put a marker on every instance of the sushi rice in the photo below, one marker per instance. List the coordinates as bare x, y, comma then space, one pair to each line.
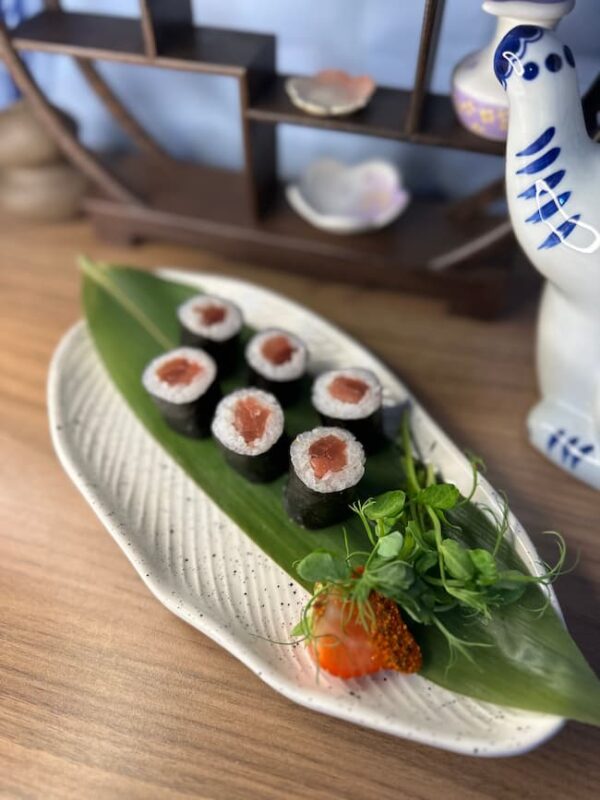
333, 481
190, 317
334, 408
224, 423
180, 392
289, 370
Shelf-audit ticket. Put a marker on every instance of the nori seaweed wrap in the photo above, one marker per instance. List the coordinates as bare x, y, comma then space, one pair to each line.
327, 465
351, 399
183, 385
277, 363
249, 428
214, 324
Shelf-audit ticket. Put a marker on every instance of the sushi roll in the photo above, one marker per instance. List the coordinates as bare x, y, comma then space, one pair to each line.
214, 325
326, 467
183, 385
351, 399
248, 427
277, 363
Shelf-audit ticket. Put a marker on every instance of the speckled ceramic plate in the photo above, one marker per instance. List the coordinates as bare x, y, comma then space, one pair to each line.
203, 568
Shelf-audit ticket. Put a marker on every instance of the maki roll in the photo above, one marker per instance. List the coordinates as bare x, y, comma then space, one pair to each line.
277, 362
326, 467
248, 427
183, 385
214, 325
351, 399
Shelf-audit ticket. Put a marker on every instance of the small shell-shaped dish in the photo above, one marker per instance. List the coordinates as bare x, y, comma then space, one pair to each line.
330, 93
341, 199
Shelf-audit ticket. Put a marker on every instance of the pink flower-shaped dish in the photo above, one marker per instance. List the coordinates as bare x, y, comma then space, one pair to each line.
330, 93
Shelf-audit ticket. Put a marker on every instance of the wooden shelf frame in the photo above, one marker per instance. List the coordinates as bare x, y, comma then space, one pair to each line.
246, 211
217, 219
391, 114
216, 51
387, 116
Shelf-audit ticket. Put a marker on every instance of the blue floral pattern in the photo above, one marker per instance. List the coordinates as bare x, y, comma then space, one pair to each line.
570, 448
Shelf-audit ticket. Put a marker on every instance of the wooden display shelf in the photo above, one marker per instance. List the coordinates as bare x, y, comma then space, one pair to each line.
217, 218
245, 214
96, 36
224, 52
386, 116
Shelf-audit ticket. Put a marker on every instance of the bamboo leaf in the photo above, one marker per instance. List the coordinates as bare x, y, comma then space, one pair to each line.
532, 662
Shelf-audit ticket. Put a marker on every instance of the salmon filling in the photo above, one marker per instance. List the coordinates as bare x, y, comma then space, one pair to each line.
328, 454
211, 314
347, 389
250, 419
179, 372
278, 350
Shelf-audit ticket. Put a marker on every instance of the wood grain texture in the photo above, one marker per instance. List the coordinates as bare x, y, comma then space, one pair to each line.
104, 694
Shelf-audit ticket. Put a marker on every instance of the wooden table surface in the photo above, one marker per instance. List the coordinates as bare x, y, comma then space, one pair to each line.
104, 694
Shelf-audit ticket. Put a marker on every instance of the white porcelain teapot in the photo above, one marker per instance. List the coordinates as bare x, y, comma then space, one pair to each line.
553, 189
478, 100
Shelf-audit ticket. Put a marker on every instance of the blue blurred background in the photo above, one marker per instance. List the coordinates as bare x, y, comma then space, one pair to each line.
196, 116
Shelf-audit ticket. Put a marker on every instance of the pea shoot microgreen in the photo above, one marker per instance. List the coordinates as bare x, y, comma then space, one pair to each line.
419, 559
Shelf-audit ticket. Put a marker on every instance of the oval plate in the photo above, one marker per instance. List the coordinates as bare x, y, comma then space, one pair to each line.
204, 569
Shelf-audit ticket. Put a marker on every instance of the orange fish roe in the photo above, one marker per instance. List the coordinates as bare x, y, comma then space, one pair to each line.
343, 646
179, 371
250, 418
393, 641
278, 349
328, 454
211, 314
347, 389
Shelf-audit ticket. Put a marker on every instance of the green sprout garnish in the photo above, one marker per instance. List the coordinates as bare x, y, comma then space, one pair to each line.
418, 557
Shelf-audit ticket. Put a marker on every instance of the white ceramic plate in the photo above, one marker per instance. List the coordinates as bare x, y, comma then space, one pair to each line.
204, 569
343, 199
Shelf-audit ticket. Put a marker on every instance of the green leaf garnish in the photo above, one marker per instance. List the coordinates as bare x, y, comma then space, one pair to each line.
457, 560
485, 566
422, 558
439, 496
321, 566
390, 546
387, 506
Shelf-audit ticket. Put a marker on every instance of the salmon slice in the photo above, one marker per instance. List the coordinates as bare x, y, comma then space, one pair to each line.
328, 454
179, 371
347, 389
211, 314
278, 350
250, 418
